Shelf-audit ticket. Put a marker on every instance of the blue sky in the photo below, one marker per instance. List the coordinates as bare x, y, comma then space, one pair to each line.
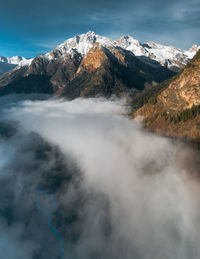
28, 28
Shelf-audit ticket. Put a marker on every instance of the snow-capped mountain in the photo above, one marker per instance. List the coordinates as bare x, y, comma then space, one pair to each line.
8, 63
173, 58
92, 65
168, 56
16, 60
80, 44
131, 44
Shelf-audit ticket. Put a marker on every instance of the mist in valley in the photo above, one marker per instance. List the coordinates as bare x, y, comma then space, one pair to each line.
119, 191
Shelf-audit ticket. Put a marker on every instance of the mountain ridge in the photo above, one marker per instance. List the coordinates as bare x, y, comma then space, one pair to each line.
169, 56
9, 63
175, 110
88, 60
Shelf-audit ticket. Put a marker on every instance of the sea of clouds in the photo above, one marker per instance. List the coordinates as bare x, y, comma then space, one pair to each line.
119, 191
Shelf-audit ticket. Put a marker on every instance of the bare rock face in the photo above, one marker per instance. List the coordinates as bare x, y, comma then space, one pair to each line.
11, 76
175, 111
183, 92
107, 71
101, 71
93, 62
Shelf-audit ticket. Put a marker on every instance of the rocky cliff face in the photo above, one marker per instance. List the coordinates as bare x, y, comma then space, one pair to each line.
172, 58
102, 71
175, 111
90, 65
107, 71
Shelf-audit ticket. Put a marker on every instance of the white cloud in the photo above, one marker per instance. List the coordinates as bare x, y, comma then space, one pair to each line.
145, 180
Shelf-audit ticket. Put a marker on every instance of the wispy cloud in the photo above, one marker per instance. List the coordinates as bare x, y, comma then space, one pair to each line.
185, 11
164, 19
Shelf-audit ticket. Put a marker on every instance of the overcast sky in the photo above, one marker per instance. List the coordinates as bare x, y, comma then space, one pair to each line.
28, 28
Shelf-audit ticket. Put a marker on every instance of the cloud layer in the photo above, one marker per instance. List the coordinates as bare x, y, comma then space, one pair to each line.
119, 191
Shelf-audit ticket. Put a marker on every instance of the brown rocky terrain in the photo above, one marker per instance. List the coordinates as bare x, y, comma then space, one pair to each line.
175, 110
102, 71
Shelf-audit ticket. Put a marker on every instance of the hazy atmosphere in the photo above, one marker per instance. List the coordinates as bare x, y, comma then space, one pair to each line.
99, 129
119, 191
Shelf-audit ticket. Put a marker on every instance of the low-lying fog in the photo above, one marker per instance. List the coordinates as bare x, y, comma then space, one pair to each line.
119, 191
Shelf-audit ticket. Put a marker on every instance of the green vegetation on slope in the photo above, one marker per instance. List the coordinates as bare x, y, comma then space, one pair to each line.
186, 114
149, 95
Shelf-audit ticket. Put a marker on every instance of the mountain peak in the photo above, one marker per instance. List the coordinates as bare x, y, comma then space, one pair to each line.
9, 63
168, 56
80, 44
90, 33
194, 48
11, 60
128, 40
129, 43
